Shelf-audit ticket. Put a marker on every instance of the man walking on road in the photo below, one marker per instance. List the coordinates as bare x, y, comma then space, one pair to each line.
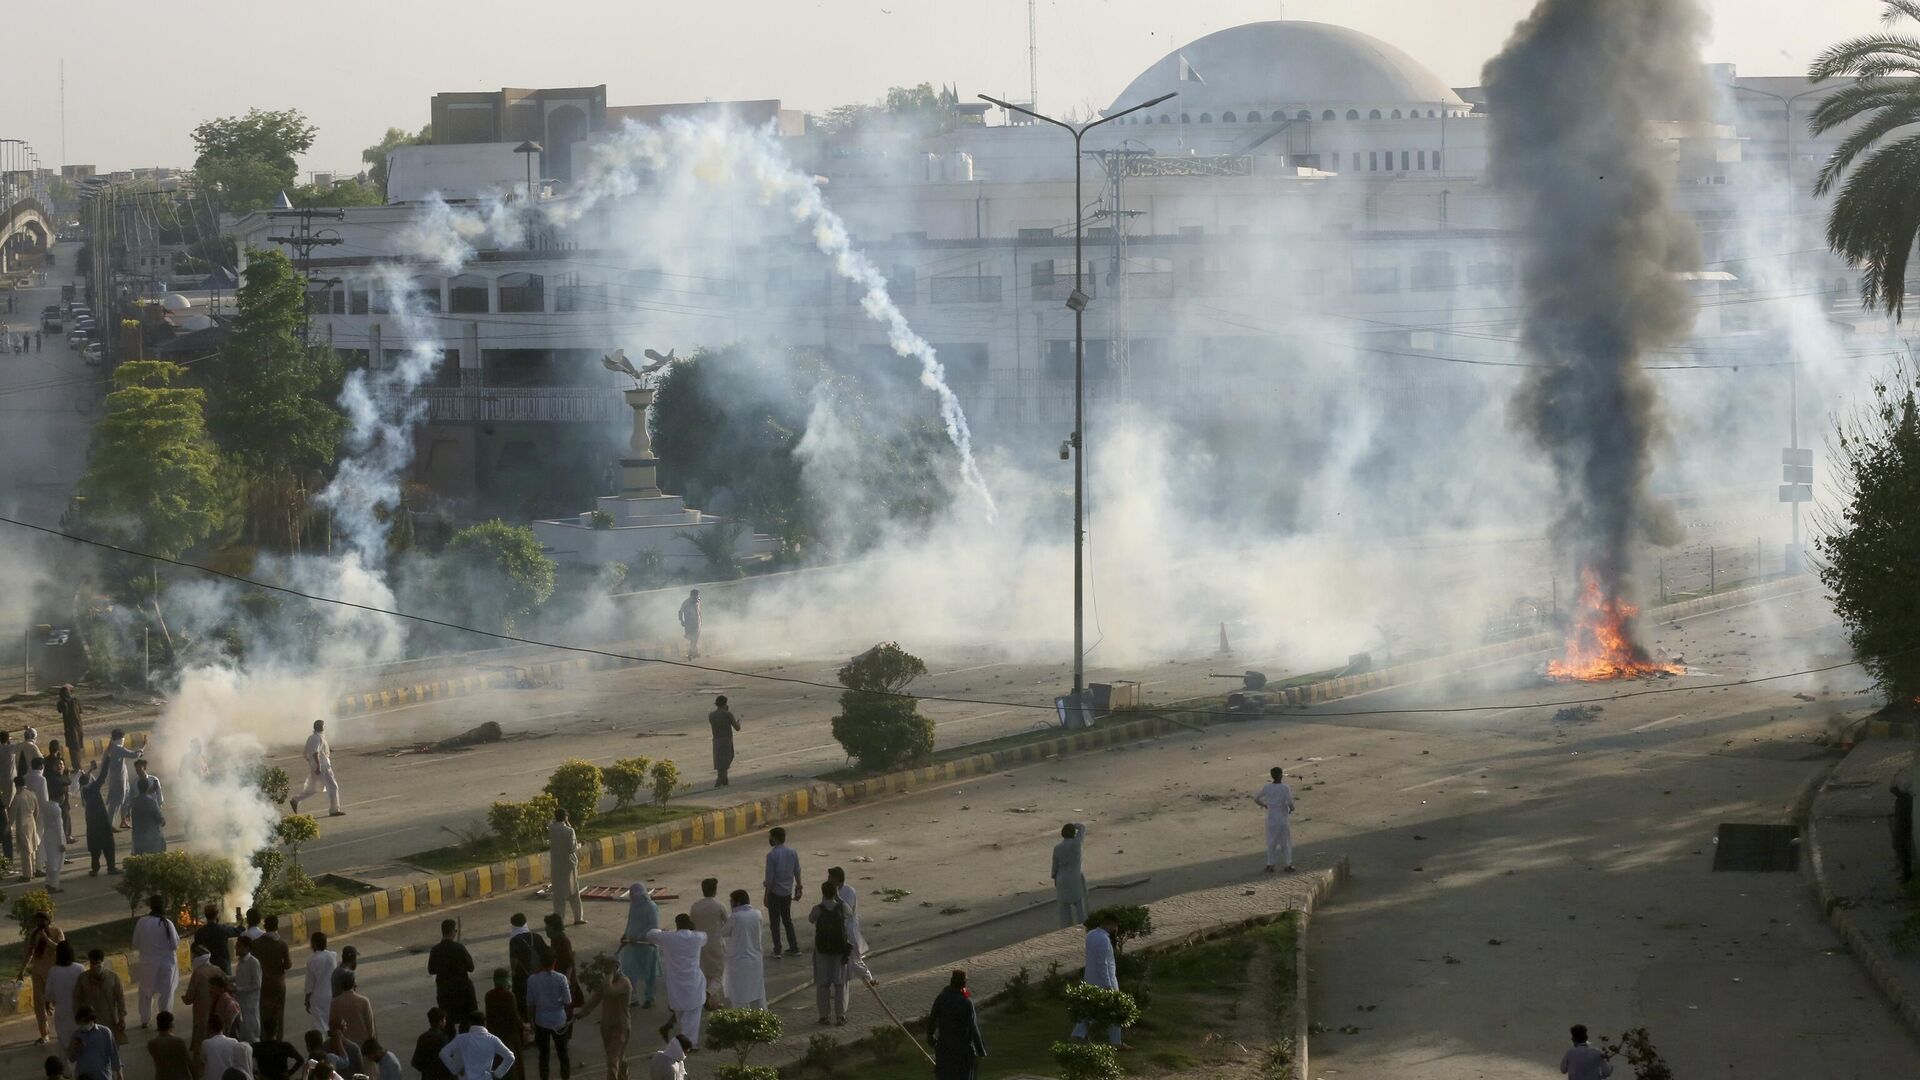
563, 852
690, 622
745, 984
320, 771
158, 945
451, 966
783, 888
1101, 970
1277, 799
686, 985
709, 917
1583, 1062
953, 1030
1069, 883
724, 724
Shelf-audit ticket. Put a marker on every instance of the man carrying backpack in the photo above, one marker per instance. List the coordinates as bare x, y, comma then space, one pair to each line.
832, 954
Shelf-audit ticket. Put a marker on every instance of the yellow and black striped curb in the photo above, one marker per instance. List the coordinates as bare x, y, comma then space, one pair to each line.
704, 828
1349, 685
516, 675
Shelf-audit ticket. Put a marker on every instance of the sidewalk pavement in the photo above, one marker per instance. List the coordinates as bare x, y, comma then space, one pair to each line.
1851, 848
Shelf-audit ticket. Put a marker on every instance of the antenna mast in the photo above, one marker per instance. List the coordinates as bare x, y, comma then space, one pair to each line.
1033, 55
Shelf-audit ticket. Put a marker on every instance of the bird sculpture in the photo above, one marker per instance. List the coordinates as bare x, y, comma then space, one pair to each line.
617, 361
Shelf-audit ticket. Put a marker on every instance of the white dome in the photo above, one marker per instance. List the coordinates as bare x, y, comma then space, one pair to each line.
1287, 64
173, 301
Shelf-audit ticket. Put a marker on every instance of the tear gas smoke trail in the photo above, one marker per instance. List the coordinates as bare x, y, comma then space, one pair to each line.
721, 153
1575, 100
220, 718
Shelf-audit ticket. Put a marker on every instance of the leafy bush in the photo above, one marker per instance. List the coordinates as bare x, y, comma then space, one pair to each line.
271, 864
274, 783
748, 1072
1055, 982
575, 787
887, 1042
499, 572
821, 1050
1135, 922
665, 776
521, 826
742, 1031
600, 519
183, 880
294, 830
594, 975
27, 905
1102, 1007
1086, 1061
624, 779
879, 726
1019, 989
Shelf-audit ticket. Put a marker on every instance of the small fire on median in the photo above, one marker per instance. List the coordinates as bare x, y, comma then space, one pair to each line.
1600, 644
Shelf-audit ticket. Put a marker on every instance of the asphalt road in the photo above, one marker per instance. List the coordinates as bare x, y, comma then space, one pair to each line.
1583, 848
48, 401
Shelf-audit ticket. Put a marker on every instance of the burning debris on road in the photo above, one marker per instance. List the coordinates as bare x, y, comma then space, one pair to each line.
1600, 643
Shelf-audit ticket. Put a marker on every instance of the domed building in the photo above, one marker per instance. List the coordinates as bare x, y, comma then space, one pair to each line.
1267, 71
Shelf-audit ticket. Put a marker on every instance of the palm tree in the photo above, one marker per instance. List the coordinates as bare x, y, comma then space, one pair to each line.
1876, 218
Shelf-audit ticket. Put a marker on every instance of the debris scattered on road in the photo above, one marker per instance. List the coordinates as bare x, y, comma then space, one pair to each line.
1449, 958
1020, 809
891, 896
1495, 941
952, 910
1577, 714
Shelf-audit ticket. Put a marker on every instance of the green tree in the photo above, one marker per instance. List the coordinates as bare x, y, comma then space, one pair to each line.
350, 192
1876, 217
500, 571
743, 1031
879, 725
271, 401
576, 787
1870, 557
922, 109
153, 477
250, 159
376, 155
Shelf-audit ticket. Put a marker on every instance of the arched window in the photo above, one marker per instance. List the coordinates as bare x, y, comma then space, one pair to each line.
1185, 119
1430, 114
1164, 120
1146, 118
1396, 114
1253, 118
1303, 115
1328, 115
1353, 114
467, 295
1227, 118
1374, 114
1206, 118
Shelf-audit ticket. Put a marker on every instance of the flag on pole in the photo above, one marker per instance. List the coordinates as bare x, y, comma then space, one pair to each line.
1187, 73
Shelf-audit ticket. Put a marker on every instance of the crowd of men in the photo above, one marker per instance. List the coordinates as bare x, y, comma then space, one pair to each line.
235, 998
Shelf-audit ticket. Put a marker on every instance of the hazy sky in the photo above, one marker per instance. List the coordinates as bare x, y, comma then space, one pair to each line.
141, 74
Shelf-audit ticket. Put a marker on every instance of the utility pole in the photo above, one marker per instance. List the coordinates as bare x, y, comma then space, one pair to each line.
1033, 55
302, 239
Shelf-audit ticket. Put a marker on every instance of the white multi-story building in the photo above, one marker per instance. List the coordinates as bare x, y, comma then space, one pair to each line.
1310, 190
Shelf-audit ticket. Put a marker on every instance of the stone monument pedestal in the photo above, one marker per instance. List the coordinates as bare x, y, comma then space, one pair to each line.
642, 518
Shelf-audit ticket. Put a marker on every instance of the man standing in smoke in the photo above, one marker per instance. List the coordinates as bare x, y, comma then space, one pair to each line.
690, 622
724, 724
320, 771
563, 855
157, 943
69, 707
114, 763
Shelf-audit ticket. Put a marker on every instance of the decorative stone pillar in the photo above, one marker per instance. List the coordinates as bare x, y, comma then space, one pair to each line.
636, 469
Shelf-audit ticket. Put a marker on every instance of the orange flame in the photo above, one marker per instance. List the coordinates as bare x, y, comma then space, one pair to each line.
1600, 643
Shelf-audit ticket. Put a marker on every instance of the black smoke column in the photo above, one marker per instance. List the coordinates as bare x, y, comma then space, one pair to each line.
1577, 101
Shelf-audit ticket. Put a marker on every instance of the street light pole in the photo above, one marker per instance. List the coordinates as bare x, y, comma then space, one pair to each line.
528, 150
1078, 302
1793, 362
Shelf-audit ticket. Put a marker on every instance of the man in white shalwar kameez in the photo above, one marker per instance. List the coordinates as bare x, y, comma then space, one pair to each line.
745, 979
1101, 970
23, 816
1277, 799
851, 920
319, 757
1069, 883
53, 839
320, 967
157, 942
686, 983
563, 851
248, 978
669, 1062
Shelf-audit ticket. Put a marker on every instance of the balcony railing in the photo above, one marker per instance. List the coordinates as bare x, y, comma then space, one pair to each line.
563, 405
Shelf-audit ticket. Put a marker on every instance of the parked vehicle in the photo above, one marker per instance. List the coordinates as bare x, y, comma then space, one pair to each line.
52, 323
